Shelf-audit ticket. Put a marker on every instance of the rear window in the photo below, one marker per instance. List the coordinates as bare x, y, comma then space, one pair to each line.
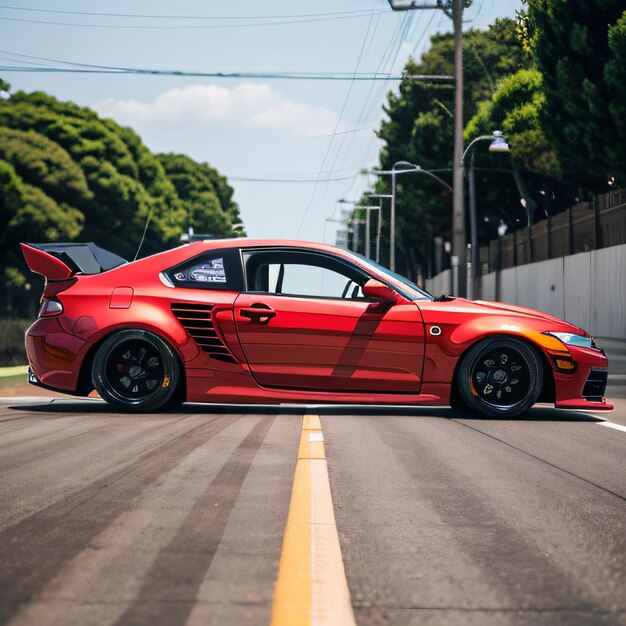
218, 269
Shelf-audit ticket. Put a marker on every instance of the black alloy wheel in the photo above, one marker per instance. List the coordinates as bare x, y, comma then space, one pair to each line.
136, 370
500, 377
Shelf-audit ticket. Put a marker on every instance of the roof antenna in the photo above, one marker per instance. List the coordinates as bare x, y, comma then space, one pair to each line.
145, 230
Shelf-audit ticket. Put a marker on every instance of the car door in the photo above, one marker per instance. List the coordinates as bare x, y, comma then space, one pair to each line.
303, 323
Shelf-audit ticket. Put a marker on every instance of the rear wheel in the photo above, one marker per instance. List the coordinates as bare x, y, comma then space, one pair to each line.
500, 377
136, 370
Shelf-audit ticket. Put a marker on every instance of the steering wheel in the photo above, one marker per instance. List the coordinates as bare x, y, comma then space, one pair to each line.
346, 288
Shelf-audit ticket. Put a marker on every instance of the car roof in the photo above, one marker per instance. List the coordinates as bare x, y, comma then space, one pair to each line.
246, 242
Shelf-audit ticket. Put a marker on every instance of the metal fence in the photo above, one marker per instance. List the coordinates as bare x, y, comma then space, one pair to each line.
586, 226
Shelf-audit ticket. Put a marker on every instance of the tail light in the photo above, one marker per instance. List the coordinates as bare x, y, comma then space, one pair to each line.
50, 304
50, 307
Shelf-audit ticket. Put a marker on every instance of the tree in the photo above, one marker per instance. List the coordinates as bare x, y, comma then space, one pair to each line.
516, 108
27, 214
615, 77
5, 89
67, 173
570, 41
42, 162
206, 195
121, 202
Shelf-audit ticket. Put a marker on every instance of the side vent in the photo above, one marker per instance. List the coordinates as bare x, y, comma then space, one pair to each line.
196, 319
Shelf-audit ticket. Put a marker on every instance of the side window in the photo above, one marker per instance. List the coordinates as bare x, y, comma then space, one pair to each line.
296, 273
218, 269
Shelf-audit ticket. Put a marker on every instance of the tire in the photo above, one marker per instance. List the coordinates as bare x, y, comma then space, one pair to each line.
500, 377
136, 370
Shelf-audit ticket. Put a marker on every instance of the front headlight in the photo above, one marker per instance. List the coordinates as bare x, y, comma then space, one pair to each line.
574, 340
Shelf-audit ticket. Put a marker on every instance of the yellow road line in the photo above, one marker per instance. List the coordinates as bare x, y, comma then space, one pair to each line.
311, 447
311, 589
311, 422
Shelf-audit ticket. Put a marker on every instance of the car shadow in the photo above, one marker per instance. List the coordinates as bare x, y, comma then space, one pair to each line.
91, 406
95, 406
536, 414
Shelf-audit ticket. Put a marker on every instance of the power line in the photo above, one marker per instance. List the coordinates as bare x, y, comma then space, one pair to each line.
396, 39
365, 12
343, 132
284, 180
343, 143
395, 43
402, 32
247, 75
185, 27
112, 69
345, 102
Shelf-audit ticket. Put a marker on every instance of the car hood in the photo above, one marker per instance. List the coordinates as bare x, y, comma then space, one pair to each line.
526, 312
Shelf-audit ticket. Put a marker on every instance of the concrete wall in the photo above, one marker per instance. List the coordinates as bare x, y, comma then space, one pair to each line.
586, 289
440, 284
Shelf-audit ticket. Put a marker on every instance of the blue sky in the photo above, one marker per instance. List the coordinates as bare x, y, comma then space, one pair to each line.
259, 129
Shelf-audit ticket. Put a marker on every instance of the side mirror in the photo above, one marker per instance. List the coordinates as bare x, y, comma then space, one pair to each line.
376, 290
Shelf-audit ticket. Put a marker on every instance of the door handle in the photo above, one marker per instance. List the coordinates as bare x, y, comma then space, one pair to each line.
259, 313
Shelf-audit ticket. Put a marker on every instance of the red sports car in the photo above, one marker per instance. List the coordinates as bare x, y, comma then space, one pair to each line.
263, 321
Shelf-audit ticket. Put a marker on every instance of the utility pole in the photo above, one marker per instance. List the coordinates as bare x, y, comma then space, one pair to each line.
453, 9
459, 246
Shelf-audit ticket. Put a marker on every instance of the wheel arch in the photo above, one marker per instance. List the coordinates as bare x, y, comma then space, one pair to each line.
547, 393
85, 383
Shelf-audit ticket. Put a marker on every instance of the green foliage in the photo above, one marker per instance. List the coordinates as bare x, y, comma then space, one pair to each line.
42, 162
581, 72
615, 77
515, 108
66, 174
206, 195
120, 201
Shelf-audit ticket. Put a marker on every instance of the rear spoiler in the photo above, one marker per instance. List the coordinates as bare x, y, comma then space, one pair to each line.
59, 261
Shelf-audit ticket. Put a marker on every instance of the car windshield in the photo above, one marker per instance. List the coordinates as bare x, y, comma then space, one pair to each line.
408, 287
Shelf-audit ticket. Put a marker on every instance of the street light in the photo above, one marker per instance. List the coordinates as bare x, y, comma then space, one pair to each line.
368, 237
379, 229
343, 220
498, 144
410, 168
356, 221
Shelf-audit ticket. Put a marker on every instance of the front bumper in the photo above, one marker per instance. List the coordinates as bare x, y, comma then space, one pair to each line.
584, 388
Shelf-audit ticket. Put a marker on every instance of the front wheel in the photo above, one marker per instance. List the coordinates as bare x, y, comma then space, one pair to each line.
136, 370
500, 377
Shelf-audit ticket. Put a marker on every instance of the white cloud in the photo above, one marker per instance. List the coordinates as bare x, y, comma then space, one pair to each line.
251, 106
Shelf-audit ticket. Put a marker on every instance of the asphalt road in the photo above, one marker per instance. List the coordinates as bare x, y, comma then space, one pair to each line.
179, 518
460, 521
150, 519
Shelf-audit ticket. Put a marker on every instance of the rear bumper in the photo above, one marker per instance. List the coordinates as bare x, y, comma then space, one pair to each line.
33, 380
54, 355
585, 388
